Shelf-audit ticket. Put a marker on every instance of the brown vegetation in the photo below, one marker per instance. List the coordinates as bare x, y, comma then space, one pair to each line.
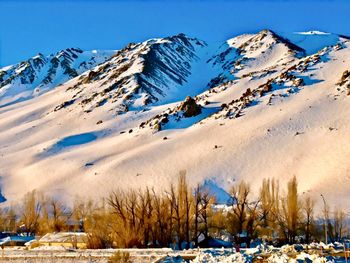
178, 216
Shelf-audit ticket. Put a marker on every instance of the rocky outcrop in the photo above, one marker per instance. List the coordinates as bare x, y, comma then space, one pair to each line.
344, 78
344, 82
189, 107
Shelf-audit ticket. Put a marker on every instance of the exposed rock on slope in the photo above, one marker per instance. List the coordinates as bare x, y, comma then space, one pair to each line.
344, 82
41, 73
189, 107
255, 49
140, 74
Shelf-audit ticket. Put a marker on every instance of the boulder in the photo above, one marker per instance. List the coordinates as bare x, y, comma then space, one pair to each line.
189, 107
298, 82
345, 76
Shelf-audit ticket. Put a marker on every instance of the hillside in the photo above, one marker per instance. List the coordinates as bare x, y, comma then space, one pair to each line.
263, 105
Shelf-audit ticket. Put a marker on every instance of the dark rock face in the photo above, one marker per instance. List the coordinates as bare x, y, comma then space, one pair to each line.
64, 105
345, 81
344, 78
190, 108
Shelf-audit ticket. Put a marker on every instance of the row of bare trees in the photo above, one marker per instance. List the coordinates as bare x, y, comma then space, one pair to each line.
179, 216
36, 214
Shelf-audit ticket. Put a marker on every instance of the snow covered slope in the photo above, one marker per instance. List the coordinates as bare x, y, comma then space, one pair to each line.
38, 74
156, 71
261, 106
313, 41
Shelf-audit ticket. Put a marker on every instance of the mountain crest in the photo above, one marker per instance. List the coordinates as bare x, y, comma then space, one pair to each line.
40, 73
140, 73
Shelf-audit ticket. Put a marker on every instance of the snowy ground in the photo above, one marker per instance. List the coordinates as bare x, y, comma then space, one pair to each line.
260, 254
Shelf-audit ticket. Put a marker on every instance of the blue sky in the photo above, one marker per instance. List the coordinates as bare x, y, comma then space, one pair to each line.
28, 27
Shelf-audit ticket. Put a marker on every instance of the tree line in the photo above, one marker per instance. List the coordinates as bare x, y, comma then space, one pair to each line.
180, 216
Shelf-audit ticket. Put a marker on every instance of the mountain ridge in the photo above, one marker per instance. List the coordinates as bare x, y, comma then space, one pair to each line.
252, 107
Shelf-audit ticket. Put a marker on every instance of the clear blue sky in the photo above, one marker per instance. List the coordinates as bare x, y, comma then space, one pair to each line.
32, 26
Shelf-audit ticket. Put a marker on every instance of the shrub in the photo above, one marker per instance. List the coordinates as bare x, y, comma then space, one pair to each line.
120, 257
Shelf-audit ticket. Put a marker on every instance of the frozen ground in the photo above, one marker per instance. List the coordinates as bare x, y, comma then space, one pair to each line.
269, 254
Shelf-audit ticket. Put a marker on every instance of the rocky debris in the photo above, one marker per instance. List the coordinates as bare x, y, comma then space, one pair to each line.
298, 82
92, 74
232, 60
216, 81
189, 107
122, 108
344, 78
157, 127
304, 64
286, 79
2, 75
224, 106
64, 105
256, 42
285, 84
344, 82
265, 88
259, 74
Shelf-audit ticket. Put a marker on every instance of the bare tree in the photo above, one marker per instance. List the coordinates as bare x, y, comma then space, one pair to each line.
176, 200
127, 216
82, 210
185, 202
163, 218
339, 223
239, 195
145, 211
291, 211
197, 202
269, 206
31, 213
253, 221
308, 209
174, 215
59, 214
204, 212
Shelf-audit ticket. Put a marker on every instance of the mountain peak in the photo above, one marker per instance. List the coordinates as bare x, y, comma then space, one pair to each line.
313, 41
40, 73
313, 32
141, 73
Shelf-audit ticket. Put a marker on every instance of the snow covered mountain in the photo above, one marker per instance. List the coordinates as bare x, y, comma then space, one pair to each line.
156, 71
313, 41
256, 106
40, 73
